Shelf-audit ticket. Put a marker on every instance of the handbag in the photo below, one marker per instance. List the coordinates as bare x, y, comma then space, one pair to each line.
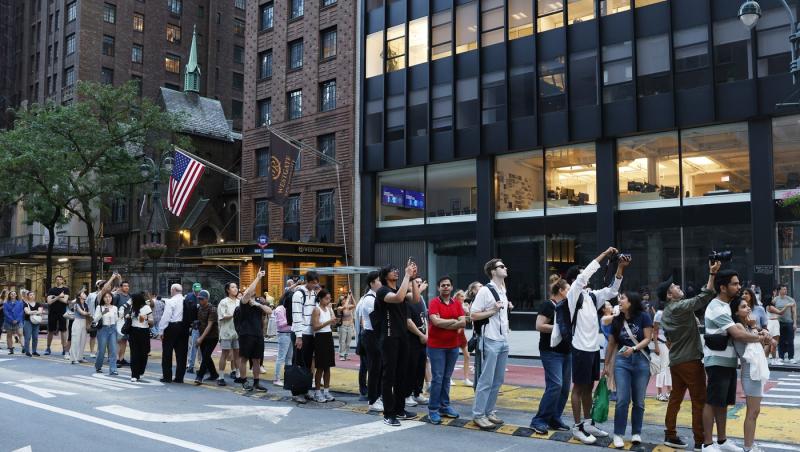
600, 402
69, 315
35, 319
655, 365
716, 342
472, 344
297, 378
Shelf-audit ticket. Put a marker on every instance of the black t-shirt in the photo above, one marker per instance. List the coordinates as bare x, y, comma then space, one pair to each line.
549, 311
33, 308
395, 314
416, 312
57, 308
250, 320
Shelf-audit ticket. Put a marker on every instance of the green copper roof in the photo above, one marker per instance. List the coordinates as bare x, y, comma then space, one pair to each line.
191, 80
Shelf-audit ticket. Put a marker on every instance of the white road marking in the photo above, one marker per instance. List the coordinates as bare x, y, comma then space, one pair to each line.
6, 359
778, 446
780, 404
110, 424
61, 384
42, 392
783, 390
780, 396
104, 382
324, 440
271, 414
24, 449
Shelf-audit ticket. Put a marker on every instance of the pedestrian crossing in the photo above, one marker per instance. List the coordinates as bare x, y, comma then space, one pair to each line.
72, 385
786, 393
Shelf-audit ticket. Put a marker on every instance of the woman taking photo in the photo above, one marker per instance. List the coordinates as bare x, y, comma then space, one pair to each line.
106, 316
30, 328
347, 328
79, 332
627, 357
139, 337
321, 320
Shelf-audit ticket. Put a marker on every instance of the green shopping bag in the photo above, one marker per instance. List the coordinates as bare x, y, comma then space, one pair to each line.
600, 402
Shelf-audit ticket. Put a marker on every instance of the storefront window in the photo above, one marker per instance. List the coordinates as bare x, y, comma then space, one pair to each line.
452, 193
716, 164
571, 178
525, 258
656, 255
733, 56
401, 197
785, 147
789, 256
467, 27
519, 184
649, 172
396, 48
456, 259
580, 11
609, 7
520, 18
441, 35
550, 14
418, 41
374, 57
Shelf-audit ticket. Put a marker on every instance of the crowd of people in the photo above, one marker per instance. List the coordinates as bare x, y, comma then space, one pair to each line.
409, 346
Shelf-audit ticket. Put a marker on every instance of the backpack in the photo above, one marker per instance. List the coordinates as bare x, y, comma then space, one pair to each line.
189, 313
377, 316
566, 323
477, 325
237, 319
286, 302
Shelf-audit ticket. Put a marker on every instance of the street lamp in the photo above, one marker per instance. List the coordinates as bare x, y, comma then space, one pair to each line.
157, 221
750, 12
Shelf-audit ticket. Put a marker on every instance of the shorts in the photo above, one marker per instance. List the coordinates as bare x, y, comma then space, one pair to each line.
750, 387
56, 322
251, 347
721, 389
229, 344
9, 328
307, 352
93, 333
774, 327
585, 367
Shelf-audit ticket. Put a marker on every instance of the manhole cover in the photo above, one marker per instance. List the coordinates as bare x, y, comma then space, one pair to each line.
322, 406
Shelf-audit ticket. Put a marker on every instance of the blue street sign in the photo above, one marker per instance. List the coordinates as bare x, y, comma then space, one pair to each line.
267, 253
263, 241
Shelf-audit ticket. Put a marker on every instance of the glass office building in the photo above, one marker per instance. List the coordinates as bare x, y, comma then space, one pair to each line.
543, 131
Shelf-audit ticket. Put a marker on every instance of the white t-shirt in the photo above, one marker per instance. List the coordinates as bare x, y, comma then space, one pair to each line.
657, 319
365, 306
227, 331
497, 328
146, 312
109, 317
587, 330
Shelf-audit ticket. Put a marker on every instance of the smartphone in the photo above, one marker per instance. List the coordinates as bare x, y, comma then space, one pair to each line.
624, 349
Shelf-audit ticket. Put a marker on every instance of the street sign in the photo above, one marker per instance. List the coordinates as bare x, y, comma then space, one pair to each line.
263, 241
267, 253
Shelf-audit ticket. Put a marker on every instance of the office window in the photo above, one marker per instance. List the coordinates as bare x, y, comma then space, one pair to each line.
262, 162
296, 54
550, 14
265, 64
467, 27
617, 72
175, 6
691, 57
519, 179
418, 41
108, 45
396, 48
773, 50
328, 49
296, 9
261, 216
326, 144
137, 79
583, 78
785, 148
265, 16
327, 95
237, 81
238, 54
715, 161
418, 112
451, 190
571, 177
579, 11
137, 53
295, 104
374, 54
395, 116
551, 85
521, 82
173, 33
325, 224
609, 7
467, 106
652, 65
643, 3
109, 13
138, 22
649, 170
238, 27
69, 76
69, 46
264, 112
732, 51
392, 189
493, 98
442, 107
72, 11
172, 63
328, 3
520, 18
441, 35
201, 11
240, 4
291, 219
236, 109
107, 76
492, 16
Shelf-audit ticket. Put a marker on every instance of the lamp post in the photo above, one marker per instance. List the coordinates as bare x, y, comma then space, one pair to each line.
750, 13
157, 222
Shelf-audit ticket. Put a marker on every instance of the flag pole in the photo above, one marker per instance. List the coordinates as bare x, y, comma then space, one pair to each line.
211, 165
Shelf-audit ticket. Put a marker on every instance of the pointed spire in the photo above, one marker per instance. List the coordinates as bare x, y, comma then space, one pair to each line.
191, 80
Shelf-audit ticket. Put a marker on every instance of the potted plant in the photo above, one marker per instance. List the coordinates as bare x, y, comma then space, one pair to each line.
154, 250
791, 200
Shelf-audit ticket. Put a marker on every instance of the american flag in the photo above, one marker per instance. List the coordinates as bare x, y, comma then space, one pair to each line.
184, 178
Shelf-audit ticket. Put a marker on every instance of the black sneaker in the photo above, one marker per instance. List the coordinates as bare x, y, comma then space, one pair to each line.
247, 387
36, 354
28, 354
221, 382
198, 381
539, 429
259, 388
240, 380
190, 370
675, 443
11, 352
406, 415
392, 421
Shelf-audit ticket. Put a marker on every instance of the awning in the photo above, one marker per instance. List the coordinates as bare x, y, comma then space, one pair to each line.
344, 270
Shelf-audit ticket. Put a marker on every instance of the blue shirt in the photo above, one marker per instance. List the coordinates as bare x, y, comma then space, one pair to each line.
13, 311
761, 316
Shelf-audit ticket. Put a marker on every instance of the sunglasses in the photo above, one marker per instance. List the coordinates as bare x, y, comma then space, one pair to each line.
501, 266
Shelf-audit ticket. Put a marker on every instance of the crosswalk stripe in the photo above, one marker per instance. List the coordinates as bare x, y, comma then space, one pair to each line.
788, 384
780, 396
61, 384
782, 390
103, 383
780, 404
79, 379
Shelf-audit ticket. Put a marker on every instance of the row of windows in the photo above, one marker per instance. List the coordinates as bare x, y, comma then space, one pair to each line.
328, 50
266, 12
326, 144
324, 219
294, 103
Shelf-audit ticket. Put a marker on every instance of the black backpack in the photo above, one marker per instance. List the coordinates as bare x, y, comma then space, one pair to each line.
477, 325
567, 323
189, 312
286, 302
378, 316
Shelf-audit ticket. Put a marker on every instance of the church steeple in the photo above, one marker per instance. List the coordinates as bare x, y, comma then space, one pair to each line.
191, 80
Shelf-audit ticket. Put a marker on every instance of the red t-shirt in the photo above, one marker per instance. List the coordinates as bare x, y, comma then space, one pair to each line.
439, 337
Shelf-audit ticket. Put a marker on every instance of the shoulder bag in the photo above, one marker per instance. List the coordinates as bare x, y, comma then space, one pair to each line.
655, 365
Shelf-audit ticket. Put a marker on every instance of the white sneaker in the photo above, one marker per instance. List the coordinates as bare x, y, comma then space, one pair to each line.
377, 406
410, 401
421, 400
328, 396
618, 442
729, 446
262, 370
636, 439
467, 382
592, 430
278, 383
92, 355
319, 397
793, 361
133, 380
712, 448
579, 433
756, 448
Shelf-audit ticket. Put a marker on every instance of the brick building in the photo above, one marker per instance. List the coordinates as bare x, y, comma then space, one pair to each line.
8, 50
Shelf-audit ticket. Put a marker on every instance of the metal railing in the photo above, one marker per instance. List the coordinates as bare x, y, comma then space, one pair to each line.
64, 245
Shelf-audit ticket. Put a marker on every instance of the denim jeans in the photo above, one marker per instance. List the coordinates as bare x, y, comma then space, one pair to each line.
557, 374
193, 352
493, 373
31, 334
443, 361
285, 352
107, 337
631, 376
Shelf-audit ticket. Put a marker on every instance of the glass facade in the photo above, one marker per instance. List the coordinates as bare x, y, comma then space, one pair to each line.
392, 188
785, 150
520, 18
550, 14
519, 184
396, 48
451, 190
570, 177
649, 171
715, 163
467, 27
418, 41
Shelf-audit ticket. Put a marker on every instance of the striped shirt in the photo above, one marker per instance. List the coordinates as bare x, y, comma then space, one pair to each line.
302, 310
717, 321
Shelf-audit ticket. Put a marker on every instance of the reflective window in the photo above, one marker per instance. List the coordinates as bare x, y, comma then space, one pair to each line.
418, 41
295, 104
108, 45
492, 17
467, 27
617, 72
550, 14
265, 64
785, 149
373, 123
551, 85
395, 116
238, 27
520, 18
583, 78
699, 240
291, 219
691, 57
579, 11
715, 161
418, 112
136, 53
261, 217
264, 112
401, 196
570, 176
296, 54
324, 218
442, 107
521, 81
733, 57
658, 253
451, 190
441, 35
652, 65
467, 103
237, 81
396, 48
72, 11
519, 182
562, 251
265, 16
328, 48
648, 170
609, 7
238, 54
69, 47
374, 56
262, 162
772, 32
296, 9
494, 97
175, 7
525, 256
455, 258
326, 144
107, 76
327, 95
109, 13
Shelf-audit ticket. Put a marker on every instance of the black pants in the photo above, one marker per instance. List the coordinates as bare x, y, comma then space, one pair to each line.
139, 340
374, 372
176, 339
394, 352
206, 363
786, 345
363, 364
417, 357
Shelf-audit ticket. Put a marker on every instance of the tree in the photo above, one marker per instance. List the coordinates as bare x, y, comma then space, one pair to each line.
92, 149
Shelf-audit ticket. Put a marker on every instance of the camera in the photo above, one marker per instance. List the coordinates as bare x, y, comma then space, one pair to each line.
616, 257
722, 256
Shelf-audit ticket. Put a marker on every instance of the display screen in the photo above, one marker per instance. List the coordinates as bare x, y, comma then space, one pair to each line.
391, 196
414, 200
